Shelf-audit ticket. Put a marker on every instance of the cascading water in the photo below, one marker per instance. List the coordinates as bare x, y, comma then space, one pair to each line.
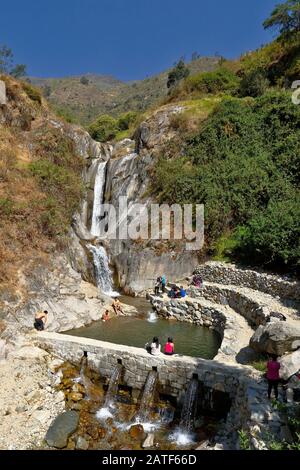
108, 408
91, 390
98, 199
152, 317
102, 271
147, 398
188, 410
184, 434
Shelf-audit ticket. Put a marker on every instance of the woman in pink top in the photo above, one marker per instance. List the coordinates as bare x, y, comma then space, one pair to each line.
273, 367
169, 347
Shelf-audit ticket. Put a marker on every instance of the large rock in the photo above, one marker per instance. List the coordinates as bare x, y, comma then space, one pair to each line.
276, 338
61, 429
289, 365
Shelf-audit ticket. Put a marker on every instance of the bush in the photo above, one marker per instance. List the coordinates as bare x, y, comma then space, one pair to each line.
254, 84
244, 166
104, 128
221, 80
33, 93
126, 120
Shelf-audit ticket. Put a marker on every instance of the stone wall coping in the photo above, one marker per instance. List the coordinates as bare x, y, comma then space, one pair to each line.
42, 338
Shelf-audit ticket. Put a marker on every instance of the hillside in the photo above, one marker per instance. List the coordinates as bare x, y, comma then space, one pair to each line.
100, 94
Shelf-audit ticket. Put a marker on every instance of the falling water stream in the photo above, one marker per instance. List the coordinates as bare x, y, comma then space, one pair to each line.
109, 405
147, 398
98, 199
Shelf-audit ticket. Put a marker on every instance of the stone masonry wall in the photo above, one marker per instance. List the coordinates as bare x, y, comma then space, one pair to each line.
250, 409
191, 311
245, 305
224, 273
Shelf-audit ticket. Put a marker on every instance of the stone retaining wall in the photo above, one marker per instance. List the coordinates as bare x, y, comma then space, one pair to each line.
174, 372
191, 311
229, 274
244, 304
250, 410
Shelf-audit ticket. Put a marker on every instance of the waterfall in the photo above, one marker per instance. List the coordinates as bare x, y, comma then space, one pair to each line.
147, 398
98, 198
102, 271
188, 409
107, 410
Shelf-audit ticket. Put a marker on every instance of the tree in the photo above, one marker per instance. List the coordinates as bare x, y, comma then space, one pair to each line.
285, 17
179, 72
7, 63
84, 81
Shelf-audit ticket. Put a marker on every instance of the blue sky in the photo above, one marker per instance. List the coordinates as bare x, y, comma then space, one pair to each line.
130, 39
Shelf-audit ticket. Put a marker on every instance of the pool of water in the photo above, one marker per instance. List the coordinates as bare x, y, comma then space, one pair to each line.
189, 340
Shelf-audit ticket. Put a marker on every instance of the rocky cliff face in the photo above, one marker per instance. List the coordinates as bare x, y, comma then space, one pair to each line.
128, 171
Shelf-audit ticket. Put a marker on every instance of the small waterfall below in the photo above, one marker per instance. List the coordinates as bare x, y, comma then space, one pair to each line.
108, 408
93, 392
184, 433
188, 410
98, 199
103, 273
147, 398
152, 317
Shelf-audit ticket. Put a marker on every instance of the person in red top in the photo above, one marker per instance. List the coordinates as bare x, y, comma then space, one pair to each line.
169, 347
273, 367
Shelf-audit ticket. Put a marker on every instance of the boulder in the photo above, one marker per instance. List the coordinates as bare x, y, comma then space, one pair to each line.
276, 338
289, 365
61, 429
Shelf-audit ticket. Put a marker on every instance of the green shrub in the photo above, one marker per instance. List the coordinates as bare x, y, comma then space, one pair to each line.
221, 80
33, 93
244, 166
104, 128
6, 207
126, 120
254, 84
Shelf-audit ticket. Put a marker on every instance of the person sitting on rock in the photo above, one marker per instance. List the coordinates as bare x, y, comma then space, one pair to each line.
105, 315
172, 293
182, 292
155, 347
197, 281
40, 320
117, 307
169, 347
273, 367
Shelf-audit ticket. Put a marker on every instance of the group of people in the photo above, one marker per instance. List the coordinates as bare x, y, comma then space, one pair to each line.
117, 307
176, 292
154, 348
160, 285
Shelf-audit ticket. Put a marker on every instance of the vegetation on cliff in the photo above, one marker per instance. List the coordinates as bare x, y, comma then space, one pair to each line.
40, 181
